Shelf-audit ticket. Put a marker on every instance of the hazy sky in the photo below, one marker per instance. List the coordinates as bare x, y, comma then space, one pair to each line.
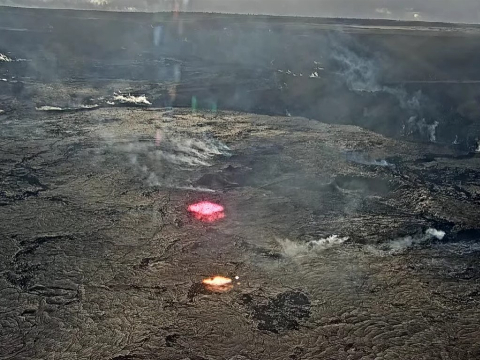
427, 10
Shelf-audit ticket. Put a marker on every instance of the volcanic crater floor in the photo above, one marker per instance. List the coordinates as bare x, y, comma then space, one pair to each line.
372, 256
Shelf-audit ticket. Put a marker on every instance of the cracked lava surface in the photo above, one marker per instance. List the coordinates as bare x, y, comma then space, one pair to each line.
98, 263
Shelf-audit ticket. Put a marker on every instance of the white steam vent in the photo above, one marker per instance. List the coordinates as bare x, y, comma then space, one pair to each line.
48, 108
438, 234
401, 245
414, 125
432, 131
291, 248
5, 58
57, 108
131, 99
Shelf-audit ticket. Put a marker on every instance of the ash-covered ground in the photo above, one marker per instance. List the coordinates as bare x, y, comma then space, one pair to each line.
345, 156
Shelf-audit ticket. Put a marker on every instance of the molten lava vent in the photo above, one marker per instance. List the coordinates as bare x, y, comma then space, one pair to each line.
218, 284
207, 211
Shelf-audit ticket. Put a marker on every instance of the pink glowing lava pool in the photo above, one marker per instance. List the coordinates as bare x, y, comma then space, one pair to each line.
207, 211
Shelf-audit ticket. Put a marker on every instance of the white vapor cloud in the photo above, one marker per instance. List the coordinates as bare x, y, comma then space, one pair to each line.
294, 249
399, 246
383, 11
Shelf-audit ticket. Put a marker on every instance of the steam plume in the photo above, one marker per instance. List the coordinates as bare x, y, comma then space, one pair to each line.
360, 158
156, 162
5, 58
291, 248
399, 246
361, 74
131, 99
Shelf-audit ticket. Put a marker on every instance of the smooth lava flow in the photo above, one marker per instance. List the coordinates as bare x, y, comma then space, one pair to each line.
207, 211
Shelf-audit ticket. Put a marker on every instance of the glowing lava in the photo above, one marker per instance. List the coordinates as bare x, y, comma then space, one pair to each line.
207, 211
218, 284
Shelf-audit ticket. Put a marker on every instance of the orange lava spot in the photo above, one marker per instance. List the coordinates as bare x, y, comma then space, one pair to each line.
217, 281
218, 284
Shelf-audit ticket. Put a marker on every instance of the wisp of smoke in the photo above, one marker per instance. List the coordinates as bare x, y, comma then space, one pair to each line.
99, 2
360, 158
57, 108
399, 246
196, 189
361, 75
413, 126
155, 163
292, 249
